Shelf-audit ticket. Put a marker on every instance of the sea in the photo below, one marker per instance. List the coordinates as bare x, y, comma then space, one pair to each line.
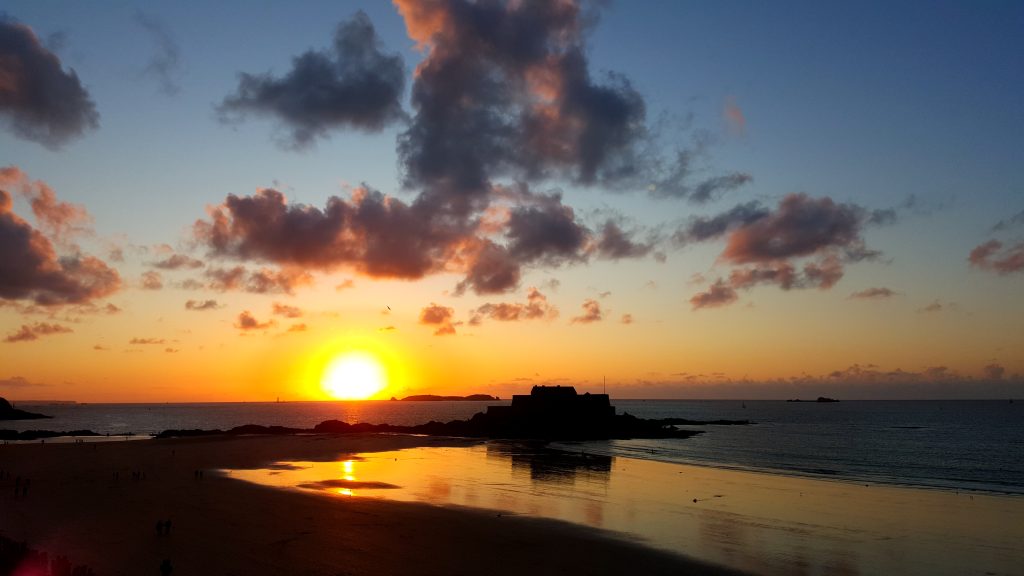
975, 445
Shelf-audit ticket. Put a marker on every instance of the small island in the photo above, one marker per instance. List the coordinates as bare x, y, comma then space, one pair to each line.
436, 398
8, 412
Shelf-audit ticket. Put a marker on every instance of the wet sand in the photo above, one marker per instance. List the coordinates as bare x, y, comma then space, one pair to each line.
220, 525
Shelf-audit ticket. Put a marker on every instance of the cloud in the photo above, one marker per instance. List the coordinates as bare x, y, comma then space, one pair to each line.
1009, 223
27, 333
718, 294
18, 382
440, 317
31, 269
701, 229
614, 244
38, 99
503, 94
626, 319
146, 341
201, 305
345, 285
263, 281
765, 247
873, 294
993, 257
935, 306
165, 64
536, 307
151, 280
246, 321
178, 262
297, 328
734, 117
171, 350
354, 84
60, 221
591, 313
286, 311
994, 371
801, 226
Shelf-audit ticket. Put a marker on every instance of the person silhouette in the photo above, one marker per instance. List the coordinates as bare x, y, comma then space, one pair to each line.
166, 568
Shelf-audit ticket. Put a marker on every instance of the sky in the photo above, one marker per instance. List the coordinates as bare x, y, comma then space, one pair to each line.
662, 199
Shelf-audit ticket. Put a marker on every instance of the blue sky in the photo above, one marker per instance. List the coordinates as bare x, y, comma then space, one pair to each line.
868, 104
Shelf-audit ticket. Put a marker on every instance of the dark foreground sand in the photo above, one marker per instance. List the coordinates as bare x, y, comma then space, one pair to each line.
220, 525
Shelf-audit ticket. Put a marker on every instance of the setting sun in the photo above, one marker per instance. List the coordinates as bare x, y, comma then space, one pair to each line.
354, 376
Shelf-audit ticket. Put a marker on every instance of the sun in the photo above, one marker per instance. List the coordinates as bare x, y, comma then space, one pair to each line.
354, 376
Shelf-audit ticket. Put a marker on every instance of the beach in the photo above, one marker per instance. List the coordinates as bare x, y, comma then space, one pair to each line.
220, 525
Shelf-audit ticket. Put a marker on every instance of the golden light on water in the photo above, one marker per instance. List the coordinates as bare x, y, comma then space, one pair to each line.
354, 376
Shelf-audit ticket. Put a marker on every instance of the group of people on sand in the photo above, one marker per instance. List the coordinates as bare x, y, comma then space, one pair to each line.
21, 485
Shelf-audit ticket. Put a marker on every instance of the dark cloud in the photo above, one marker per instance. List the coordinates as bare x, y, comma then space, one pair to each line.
27, 333
874, 294
201, 305
246, 321
613, 243
718, 294
591, 313
993, 257
286, 311
439, 317
935, 306
536, 307
178, 262
38, 99
151, 280
31, 269
701, 229
766, 247
1009, 223
505, 90
547, 233
801, 226
165, 64
263, 281
146, 341
354, 84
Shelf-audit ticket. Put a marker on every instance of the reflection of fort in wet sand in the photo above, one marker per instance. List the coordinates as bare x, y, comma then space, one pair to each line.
542, 464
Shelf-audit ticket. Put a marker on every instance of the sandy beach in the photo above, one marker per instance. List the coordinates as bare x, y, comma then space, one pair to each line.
84, 503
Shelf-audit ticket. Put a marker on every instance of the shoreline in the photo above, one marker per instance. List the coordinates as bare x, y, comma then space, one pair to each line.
559, 445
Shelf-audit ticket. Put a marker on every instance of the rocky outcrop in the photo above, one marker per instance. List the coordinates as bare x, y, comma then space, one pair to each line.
8, 412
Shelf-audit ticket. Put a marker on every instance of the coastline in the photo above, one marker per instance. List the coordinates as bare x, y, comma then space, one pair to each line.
77, 508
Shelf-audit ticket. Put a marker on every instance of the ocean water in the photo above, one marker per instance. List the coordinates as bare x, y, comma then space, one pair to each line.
964, 445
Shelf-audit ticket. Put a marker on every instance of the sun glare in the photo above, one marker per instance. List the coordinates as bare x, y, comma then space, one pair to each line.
354, 376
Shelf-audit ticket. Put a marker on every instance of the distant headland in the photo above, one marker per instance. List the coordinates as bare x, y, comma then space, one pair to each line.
8, 412
820, 399
436, 398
